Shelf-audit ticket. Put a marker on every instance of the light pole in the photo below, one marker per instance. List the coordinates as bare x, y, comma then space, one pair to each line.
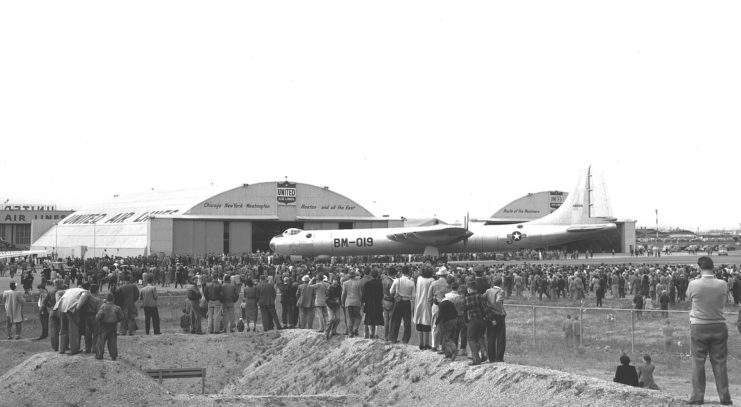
657, 224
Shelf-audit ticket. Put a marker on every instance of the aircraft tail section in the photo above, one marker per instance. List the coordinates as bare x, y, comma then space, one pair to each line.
577, 209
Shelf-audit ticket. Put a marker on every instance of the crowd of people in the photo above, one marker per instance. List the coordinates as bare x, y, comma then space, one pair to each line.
449, 308
453, 309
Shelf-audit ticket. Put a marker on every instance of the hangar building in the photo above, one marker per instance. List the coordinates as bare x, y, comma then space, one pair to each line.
21, 224
529, 207
204, 221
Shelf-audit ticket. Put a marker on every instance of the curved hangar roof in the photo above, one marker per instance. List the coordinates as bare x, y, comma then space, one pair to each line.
530, 207
121, 222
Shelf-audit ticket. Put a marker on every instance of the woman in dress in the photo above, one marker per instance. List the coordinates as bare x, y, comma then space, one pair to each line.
423, 308
249, 313
648, 305
372, 303
646, 374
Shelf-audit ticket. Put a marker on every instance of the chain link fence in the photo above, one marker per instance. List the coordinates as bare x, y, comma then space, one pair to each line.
644, 331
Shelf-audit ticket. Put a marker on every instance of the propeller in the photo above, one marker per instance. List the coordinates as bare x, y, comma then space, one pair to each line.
465, 225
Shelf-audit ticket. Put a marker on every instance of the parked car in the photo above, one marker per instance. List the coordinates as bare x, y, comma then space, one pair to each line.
722, 251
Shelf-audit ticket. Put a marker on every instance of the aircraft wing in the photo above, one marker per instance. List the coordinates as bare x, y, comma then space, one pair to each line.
22, 253
435, 236
590, 228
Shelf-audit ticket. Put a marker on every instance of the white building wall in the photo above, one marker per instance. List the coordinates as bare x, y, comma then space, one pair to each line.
627, 231
161, 236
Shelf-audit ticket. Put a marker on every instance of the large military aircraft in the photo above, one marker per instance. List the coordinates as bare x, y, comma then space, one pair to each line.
571, 222
22, 253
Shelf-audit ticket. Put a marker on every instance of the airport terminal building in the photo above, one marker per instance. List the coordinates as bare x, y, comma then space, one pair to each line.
204, 221
21, 224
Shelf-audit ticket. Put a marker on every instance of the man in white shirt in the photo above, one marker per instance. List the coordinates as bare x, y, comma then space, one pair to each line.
69, 305
403, 290
708, 332
13, 301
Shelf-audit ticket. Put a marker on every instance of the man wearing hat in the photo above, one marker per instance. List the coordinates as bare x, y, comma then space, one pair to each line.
436, 294
482, 281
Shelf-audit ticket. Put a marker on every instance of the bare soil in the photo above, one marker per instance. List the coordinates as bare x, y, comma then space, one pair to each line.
297, 368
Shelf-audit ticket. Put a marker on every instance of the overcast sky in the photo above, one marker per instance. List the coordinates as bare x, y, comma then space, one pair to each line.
409, 108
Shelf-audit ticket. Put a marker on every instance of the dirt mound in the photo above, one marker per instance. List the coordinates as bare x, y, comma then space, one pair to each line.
52, 379
299, 368
214, 400
304, 363
223, 356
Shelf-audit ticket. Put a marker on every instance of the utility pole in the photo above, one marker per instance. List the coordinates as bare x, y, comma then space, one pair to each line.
657, 224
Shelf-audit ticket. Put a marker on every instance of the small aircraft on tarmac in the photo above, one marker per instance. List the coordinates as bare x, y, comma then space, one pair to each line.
571, 222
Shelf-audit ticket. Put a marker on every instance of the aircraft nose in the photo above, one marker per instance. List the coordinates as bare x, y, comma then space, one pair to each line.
272, 244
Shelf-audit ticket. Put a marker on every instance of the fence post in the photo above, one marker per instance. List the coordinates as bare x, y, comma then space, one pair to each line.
632, 331
534, 334
689, 336
581, 326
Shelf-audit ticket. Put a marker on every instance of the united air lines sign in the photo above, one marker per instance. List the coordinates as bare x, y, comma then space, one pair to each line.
24, 214
286, 193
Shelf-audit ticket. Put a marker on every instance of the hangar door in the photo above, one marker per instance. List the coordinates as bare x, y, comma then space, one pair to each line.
262, 232
198, 237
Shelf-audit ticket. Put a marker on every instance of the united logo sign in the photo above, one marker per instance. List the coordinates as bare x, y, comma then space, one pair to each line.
286, 193
557, 199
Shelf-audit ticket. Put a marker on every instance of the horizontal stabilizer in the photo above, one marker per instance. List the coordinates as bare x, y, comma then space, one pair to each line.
425, 236
590, 228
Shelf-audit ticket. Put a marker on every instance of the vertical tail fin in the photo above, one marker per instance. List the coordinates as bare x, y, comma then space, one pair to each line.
577, 209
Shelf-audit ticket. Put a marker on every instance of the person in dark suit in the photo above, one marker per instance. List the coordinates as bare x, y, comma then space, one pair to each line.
371, 299
128, 295
266, 300
625, 373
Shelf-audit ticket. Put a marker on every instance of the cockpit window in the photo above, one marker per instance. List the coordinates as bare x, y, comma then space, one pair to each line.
291, 232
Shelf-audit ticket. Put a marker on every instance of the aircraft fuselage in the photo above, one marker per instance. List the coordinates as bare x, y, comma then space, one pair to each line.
486, 238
